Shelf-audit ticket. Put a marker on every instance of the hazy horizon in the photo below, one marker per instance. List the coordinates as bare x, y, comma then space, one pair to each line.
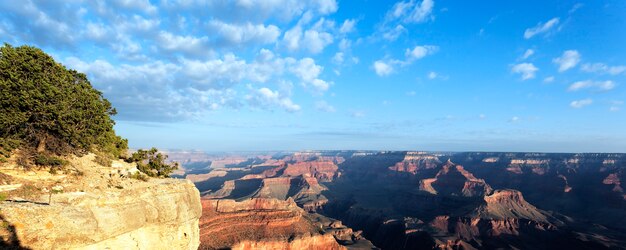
220, 76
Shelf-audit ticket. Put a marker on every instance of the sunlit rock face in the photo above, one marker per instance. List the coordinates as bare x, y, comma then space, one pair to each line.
161, 215
260, 223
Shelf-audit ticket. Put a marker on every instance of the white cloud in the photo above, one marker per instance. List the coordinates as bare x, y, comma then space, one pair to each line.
568, 60
603, 68
292, 37
514, 119
382, 68
141, 5
527, 54
258, 11
308, 72
236, 34
345, 44
580, 103
393, 34
432, 75
482, 116
314, 39
266, 98
615, 106
189, 45
597, 85
541, 28
324, 107
526, 69
347, 26
357, 114
338, 58
419, 52
411, 11
385, 67
548, 79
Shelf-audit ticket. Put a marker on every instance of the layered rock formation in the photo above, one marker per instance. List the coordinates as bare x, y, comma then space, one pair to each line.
322, 170
454, 180
415, 161
101, 208
260, 224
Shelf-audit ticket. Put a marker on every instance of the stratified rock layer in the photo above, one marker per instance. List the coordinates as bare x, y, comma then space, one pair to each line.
162, 214
259, 223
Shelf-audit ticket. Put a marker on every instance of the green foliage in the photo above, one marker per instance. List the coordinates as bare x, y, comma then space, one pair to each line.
138, 176
3, 197
103, 160
152, 163
51, 161
7, 146
52, 108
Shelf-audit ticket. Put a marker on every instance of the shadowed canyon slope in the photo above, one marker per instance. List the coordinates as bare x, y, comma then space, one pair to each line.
415, 200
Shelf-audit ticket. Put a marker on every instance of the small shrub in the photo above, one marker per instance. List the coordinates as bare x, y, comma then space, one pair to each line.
2, 159
152, 163
51, 161
138, 176
3, 197
103, 160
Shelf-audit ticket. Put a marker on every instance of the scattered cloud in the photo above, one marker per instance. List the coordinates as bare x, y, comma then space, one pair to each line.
229, 34
385, 67
603, 68
575, 8
393, 34
568, 60
420, 51
401, 14
432, 75
411, 11
527, 70
548, 79
324, 107
482, 116
313, 40
615, 106
541, 28
265, 98
357, 114
588, 84
581, 103
338, 58
528, 53
382, 68
514, 119
309, 72
349, 25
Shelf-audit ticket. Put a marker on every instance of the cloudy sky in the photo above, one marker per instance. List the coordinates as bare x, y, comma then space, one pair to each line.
225, 75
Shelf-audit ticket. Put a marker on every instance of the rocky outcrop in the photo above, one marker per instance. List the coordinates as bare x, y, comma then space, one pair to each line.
415, 161
259, 224
322, 170
505, 204
87, 206
454, 180
162, 215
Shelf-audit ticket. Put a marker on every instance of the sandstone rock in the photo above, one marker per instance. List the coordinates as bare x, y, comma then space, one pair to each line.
160, 215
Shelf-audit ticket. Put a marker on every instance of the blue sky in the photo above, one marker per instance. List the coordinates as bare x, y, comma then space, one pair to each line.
221, 75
